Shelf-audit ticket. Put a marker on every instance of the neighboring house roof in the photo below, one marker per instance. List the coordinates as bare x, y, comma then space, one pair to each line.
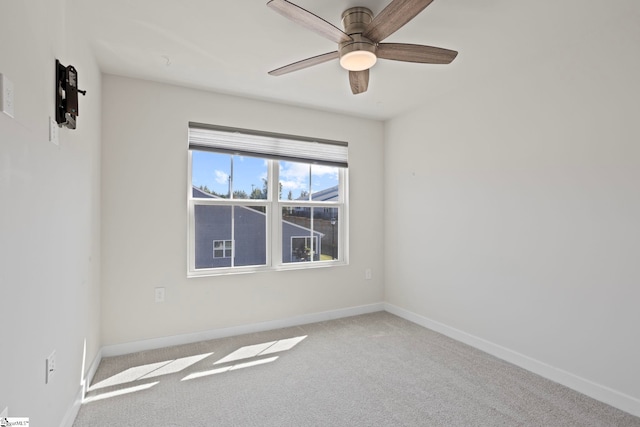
203, 194
327, 194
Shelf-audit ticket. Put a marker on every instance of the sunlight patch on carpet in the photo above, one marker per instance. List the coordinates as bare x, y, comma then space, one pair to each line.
149, 370
255, 350
229, 368
120, 392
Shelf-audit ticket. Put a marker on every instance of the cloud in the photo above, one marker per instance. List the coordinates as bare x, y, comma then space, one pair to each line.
295, 176
293, 185
221, 177
321, 170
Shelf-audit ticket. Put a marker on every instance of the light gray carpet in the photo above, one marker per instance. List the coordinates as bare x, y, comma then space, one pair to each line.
370, 370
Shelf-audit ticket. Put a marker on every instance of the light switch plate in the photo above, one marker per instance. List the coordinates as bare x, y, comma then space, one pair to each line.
53, 131
50, 364
4, 413
6, 96
159, 294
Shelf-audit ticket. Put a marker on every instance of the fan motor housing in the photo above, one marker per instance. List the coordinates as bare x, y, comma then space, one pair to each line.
355, 21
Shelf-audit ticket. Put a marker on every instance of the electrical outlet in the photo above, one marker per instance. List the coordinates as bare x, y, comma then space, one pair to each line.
6, 95
50, 364
4, 413
367, 274
159, 294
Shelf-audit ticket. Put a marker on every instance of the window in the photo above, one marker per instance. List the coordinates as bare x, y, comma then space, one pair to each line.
264, 201
222, 248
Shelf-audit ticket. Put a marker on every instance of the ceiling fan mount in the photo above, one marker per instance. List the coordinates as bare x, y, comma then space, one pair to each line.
359, 45
356, 19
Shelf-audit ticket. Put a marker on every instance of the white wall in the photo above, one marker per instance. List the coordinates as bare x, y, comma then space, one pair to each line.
144, 199
49, 216
512, 210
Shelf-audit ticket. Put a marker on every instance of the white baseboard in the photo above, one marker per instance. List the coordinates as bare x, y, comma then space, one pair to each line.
597, 391
72, 412
91, 372
151, 344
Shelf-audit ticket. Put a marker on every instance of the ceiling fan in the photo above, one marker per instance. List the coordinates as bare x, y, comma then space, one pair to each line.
359, 44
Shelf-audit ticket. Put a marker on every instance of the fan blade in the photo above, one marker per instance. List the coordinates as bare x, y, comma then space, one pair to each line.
309, 20
415, 53
305, 63
393, 17
359, 81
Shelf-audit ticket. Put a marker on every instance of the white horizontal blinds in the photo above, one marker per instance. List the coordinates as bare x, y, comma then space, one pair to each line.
265, 144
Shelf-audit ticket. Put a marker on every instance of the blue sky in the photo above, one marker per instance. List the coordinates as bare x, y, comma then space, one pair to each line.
213, 170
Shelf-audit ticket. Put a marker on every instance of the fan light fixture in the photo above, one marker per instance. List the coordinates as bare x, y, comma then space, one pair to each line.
358, 60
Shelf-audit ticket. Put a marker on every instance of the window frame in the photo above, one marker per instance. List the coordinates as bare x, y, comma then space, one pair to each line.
273, 206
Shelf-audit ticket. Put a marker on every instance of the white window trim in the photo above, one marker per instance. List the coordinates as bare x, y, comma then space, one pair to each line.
273, 207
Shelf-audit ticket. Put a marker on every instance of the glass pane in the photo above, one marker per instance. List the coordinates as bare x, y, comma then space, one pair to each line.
324, 183
326, 223
218, 174
228, 236
304, 181
309, 234
250, 236
295, 180
249, 178
210, 174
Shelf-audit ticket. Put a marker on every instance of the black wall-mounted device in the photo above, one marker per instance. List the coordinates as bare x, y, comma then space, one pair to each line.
67, 95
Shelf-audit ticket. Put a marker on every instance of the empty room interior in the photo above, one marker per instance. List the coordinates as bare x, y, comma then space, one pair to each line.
486, 199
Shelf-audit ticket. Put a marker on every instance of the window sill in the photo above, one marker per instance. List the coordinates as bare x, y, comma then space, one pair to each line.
212, 272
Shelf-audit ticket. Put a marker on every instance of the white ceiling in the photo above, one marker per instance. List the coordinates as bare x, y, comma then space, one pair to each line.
229, 46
